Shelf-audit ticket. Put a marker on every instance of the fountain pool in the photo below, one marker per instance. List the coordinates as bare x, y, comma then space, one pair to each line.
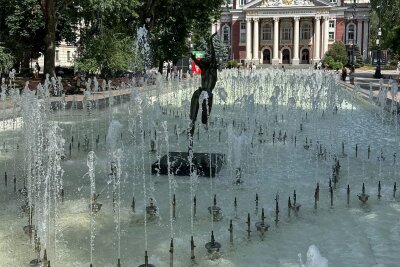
281, 132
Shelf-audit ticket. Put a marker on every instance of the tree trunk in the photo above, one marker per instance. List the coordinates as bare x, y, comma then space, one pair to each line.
25, 68
49, 10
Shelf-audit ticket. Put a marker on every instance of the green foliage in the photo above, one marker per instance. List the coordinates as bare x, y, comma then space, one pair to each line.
108, 52
221, 50
24, 25
88, 65
358, 62
388, 12
336, 55
232, 64
6, 60
393, 40
172, 22
332, 63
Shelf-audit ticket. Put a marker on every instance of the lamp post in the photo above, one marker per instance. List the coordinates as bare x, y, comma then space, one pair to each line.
378, 73
353, 13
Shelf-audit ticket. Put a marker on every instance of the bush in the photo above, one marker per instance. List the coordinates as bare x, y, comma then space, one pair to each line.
338, 52
331, 63
336, 57
6, 60
232, 64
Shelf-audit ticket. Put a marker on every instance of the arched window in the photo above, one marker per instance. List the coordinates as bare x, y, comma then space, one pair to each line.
350, 32
305, 31
226, 34
267, 32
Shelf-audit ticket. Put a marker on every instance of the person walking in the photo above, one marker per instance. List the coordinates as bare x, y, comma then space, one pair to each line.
344, 74
351, 74
36, 70
168, 70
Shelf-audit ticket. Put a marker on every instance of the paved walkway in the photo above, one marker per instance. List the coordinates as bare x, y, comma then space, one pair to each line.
364, 78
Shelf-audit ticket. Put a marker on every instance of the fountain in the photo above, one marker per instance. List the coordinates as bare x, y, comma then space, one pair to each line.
144, 211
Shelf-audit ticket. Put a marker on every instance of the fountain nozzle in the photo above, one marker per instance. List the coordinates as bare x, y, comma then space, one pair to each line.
215, 211
363, 197
151, 209
95, 206
262, 227
146, 261
213, 247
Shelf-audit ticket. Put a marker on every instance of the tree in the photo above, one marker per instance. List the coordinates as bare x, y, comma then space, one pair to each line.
358, 58
107, 36
108, 52
393, 40
172, 22
388, 12
336, 57
26, 28
6, 60
21, 30
51, 10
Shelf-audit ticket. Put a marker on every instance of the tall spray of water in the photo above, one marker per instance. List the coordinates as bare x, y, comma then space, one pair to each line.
44, 150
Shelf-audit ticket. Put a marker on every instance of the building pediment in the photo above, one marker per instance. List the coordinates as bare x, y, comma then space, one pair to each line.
285, 3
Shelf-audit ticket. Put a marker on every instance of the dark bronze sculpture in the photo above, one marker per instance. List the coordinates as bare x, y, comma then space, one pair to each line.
187, 163
209, 70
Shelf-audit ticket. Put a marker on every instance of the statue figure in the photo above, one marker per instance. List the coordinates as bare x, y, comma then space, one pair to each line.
209, 69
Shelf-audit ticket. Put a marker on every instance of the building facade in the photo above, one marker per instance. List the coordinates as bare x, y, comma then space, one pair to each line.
65, 56
292, 31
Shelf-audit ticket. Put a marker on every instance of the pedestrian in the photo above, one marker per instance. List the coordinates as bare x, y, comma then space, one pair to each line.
168, 70
283, 68
344, 74
36, 70
174, 71
351, 74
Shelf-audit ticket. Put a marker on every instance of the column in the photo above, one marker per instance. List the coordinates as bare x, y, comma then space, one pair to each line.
296, 60
317, 39
275, 59
255, 40
326, 36
359, 34
365, 41
248, 39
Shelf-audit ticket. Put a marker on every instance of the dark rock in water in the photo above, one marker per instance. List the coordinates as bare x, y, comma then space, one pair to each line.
179, 164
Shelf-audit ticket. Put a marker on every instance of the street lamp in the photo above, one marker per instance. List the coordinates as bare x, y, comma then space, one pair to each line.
354, 19
378, 73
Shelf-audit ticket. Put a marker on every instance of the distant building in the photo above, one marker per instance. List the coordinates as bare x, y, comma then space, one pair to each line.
65, 56
292, 31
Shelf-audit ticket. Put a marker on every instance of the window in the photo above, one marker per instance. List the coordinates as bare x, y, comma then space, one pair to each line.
242, 32
350, 32
242, 2
305, 31
333, 1
57, 55
225, 34
331, 32
267, 32
68, 55
286, 33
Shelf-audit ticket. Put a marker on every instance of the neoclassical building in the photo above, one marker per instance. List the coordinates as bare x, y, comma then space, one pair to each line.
292, 31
